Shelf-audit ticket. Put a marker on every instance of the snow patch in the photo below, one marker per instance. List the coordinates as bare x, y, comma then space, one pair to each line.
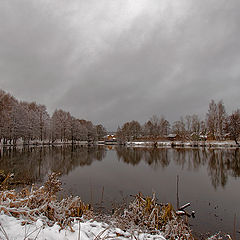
88, 230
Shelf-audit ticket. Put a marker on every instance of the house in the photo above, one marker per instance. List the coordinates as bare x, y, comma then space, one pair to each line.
227, 136
173, 137
110, 139
203, 137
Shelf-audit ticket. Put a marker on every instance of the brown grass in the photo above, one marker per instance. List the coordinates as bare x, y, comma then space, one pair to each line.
32, 204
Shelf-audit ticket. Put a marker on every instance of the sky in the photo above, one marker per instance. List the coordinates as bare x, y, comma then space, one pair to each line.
113, 61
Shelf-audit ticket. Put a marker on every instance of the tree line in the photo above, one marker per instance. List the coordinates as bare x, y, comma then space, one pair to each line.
217, 125
31, 121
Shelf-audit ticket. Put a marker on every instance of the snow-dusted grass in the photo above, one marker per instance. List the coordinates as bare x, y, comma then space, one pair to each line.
37, 214
208, 144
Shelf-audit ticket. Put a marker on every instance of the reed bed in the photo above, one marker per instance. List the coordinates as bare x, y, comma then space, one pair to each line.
143, 215
41, 203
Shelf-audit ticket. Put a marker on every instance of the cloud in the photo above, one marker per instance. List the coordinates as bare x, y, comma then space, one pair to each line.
114, 61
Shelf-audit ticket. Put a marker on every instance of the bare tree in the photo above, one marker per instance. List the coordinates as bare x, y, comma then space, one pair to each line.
196, 124
129, 131
31, 121
233, 125
203, 128
7, 112
148, 129
216, 119
188, 124
164, 127
192, 126
60, 125
221, 119
178, 127
212, 118
155, 125
44, 120
101, 131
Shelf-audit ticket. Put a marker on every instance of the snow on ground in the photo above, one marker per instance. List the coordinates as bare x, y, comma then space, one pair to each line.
88, 230
215, 144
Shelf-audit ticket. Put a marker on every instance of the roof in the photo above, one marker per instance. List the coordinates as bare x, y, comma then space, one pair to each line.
172, 135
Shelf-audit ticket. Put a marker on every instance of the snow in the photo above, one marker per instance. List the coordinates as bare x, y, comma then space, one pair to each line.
20, 143
88, 230
214, 144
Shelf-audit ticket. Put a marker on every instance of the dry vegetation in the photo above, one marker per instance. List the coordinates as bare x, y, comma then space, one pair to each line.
32, 204
146, 214
143, 214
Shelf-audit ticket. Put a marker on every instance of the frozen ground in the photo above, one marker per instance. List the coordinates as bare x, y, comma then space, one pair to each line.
11, 228
215, 144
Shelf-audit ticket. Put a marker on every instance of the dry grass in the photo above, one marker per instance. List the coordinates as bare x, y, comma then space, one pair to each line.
142, 215
32, 204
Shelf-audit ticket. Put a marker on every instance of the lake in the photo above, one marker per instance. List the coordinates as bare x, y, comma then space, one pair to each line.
208, 178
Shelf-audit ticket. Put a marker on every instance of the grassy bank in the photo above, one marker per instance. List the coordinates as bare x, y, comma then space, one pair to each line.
39, 208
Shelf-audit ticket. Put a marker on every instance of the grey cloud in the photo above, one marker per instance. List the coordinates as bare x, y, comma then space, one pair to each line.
112, 62
33, 50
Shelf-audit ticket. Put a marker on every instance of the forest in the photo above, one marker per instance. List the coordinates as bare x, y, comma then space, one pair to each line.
217, 125
31, 121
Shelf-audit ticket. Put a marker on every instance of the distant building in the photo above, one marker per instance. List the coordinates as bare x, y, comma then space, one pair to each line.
203, 137
110, 139
173, 137
227, 136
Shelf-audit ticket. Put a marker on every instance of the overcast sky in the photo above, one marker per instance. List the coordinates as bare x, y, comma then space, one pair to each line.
111, 61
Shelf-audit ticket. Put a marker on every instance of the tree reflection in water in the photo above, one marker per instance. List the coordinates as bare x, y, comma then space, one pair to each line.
32, 164
152, 156
220, 163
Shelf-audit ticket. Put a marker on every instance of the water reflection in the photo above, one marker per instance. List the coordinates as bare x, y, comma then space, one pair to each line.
220, 163
152, 156
223, 164
32, 164
123, 171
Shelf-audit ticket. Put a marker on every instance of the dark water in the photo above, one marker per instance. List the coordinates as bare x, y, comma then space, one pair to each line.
208, 178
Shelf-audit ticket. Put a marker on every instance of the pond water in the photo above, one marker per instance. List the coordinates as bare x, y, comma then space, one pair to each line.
208, 178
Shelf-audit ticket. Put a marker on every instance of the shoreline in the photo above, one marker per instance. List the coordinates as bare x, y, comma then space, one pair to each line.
39, 143
89, 224
52, 218
184, 144
171, 144
153, 150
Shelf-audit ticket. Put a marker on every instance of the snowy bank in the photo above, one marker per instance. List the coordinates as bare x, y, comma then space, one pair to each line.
36, 213
208, 144
12, 228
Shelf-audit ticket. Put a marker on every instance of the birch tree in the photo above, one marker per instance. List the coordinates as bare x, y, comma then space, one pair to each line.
233, 125
216, 119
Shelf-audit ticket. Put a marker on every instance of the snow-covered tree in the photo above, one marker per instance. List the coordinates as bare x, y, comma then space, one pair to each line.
233, 125
60, 125
130, 131
178, 128
101, 131
216, 119
7, 122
